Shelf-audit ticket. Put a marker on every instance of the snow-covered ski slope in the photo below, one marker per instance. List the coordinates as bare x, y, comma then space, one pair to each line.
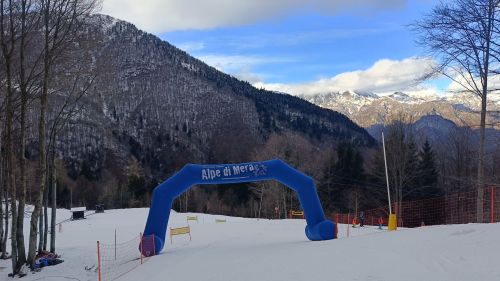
247, 249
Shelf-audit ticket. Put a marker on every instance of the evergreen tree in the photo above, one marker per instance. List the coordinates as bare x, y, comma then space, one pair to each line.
349, 165
411, 178
341, 176
428, 175
326, 185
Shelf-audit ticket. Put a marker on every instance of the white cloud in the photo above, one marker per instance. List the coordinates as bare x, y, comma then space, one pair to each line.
232, 63
241, 66
459, 82
168, 15
383, 76
191, 46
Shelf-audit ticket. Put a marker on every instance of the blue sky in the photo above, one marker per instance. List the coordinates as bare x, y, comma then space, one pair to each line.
293, 45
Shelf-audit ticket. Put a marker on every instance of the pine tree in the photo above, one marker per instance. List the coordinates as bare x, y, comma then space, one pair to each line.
428, 175
341, 176
326, 185
411, 182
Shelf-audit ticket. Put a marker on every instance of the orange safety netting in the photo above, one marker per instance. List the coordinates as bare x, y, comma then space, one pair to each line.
456, 208
117, 259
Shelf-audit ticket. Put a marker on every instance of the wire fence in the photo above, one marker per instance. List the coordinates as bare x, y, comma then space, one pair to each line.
117, 259
456, 208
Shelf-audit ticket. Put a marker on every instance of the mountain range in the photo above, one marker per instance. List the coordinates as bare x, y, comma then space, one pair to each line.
370, 109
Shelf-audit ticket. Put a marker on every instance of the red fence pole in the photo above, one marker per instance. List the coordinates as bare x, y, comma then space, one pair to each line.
492, 204
99, 261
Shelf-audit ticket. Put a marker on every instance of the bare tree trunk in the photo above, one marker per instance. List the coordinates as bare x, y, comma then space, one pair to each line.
260, 201
54, 206
42, 161
480, 168
23, 85
40, 226
8, 146
3, 246
4, 242
45, 216
42, 170
482, 126
186, 204
13, 231
284, 201
4, 216
21, 251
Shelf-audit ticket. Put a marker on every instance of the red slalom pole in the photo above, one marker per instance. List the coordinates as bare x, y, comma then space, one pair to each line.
141, 245
154, 248
99, 261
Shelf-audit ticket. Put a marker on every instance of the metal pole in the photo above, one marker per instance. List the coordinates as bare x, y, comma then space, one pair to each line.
115, 243
386, 175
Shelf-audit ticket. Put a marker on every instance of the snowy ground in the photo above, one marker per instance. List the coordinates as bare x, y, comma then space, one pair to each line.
247, 249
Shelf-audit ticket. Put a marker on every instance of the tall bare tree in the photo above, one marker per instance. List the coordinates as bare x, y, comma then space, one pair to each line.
8, 38
28, 59
61, 20
463, 35
76, 84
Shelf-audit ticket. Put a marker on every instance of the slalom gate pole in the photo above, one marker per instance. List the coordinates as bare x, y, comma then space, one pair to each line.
154, 248
492, 204
99, 261
115, 243
140, 234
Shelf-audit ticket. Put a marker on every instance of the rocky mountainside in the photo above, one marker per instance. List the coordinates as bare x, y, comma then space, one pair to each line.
369, 109
153, 101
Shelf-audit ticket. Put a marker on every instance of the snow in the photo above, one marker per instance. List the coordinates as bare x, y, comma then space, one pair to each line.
353, 101
250, 249
79, 209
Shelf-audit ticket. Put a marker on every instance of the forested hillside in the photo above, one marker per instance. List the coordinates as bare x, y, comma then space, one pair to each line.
151, 108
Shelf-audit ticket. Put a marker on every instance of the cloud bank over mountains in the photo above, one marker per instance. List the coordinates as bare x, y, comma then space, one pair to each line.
160, 16
383, 76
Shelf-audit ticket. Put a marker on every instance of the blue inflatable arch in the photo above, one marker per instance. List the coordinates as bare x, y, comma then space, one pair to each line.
318, 227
